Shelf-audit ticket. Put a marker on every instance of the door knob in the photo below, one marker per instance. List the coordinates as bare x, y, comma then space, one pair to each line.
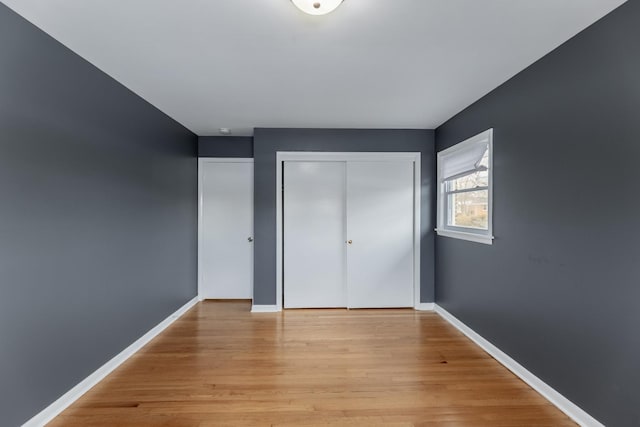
249, 239
349, 241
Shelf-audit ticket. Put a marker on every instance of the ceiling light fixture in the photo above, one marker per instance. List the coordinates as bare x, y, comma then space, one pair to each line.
317, 7
225, 131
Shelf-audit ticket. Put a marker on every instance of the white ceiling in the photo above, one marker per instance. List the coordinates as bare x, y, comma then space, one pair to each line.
262, 63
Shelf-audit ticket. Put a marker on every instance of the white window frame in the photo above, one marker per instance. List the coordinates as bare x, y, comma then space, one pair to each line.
465, 233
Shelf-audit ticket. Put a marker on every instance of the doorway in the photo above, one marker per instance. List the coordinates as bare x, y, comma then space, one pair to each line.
348, 230
225, 222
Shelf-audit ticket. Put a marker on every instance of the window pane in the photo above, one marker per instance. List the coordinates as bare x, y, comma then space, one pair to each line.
476, 179
469, 209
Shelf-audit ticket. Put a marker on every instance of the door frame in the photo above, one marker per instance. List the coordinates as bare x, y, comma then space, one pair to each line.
316, 156
201, 162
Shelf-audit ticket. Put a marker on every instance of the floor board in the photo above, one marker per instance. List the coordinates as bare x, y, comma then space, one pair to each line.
220, 365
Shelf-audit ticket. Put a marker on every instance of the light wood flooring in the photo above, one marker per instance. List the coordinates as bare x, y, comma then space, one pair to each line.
220, 365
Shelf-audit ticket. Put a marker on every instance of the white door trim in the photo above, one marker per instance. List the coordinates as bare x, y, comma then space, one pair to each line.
282, 156
202, 161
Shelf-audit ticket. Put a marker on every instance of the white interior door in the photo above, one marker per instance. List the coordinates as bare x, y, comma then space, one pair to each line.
314, 230
380, 198
226, 230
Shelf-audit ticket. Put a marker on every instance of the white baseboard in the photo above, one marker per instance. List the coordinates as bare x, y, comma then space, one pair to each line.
53, 410
565, 405
264, 309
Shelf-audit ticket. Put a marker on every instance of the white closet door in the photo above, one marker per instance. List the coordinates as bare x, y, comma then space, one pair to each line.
380, 228
226, 233
314, 228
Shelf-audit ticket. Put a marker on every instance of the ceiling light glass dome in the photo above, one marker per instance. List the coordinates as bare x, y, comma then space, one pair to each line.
317, 7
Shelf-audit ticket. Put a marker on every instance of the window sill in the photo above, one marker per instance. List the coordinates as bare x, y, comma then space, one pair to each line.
472, 237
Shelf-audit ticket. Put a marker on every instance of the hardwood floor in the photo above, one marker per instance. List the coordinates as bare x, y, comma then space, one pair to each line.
220, 365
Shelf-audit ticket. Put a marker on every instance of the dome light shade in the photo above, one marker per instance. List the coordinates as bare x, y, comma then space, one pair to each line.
317, 7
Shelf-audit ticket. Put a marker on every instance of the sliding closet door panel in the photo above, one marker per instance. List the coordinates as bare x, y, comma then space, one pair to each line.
226, 261
314, 228
380, 231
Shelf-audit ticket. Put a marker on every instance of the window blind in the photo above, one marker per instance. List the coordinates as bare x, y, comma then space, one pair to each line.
464, 161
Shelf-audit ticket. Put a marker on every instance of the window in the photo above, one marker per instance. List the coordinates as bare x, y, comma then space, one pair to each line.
465, 189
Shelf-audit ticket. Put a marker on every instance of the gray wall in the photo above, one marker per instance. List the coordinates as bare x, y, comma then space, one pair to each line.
225, 146
559, 290
268, 141
98, 218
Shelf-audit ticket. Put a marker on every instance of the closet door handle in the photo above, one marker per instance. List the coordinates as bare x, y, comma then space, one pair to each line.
349, 242
249, 239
